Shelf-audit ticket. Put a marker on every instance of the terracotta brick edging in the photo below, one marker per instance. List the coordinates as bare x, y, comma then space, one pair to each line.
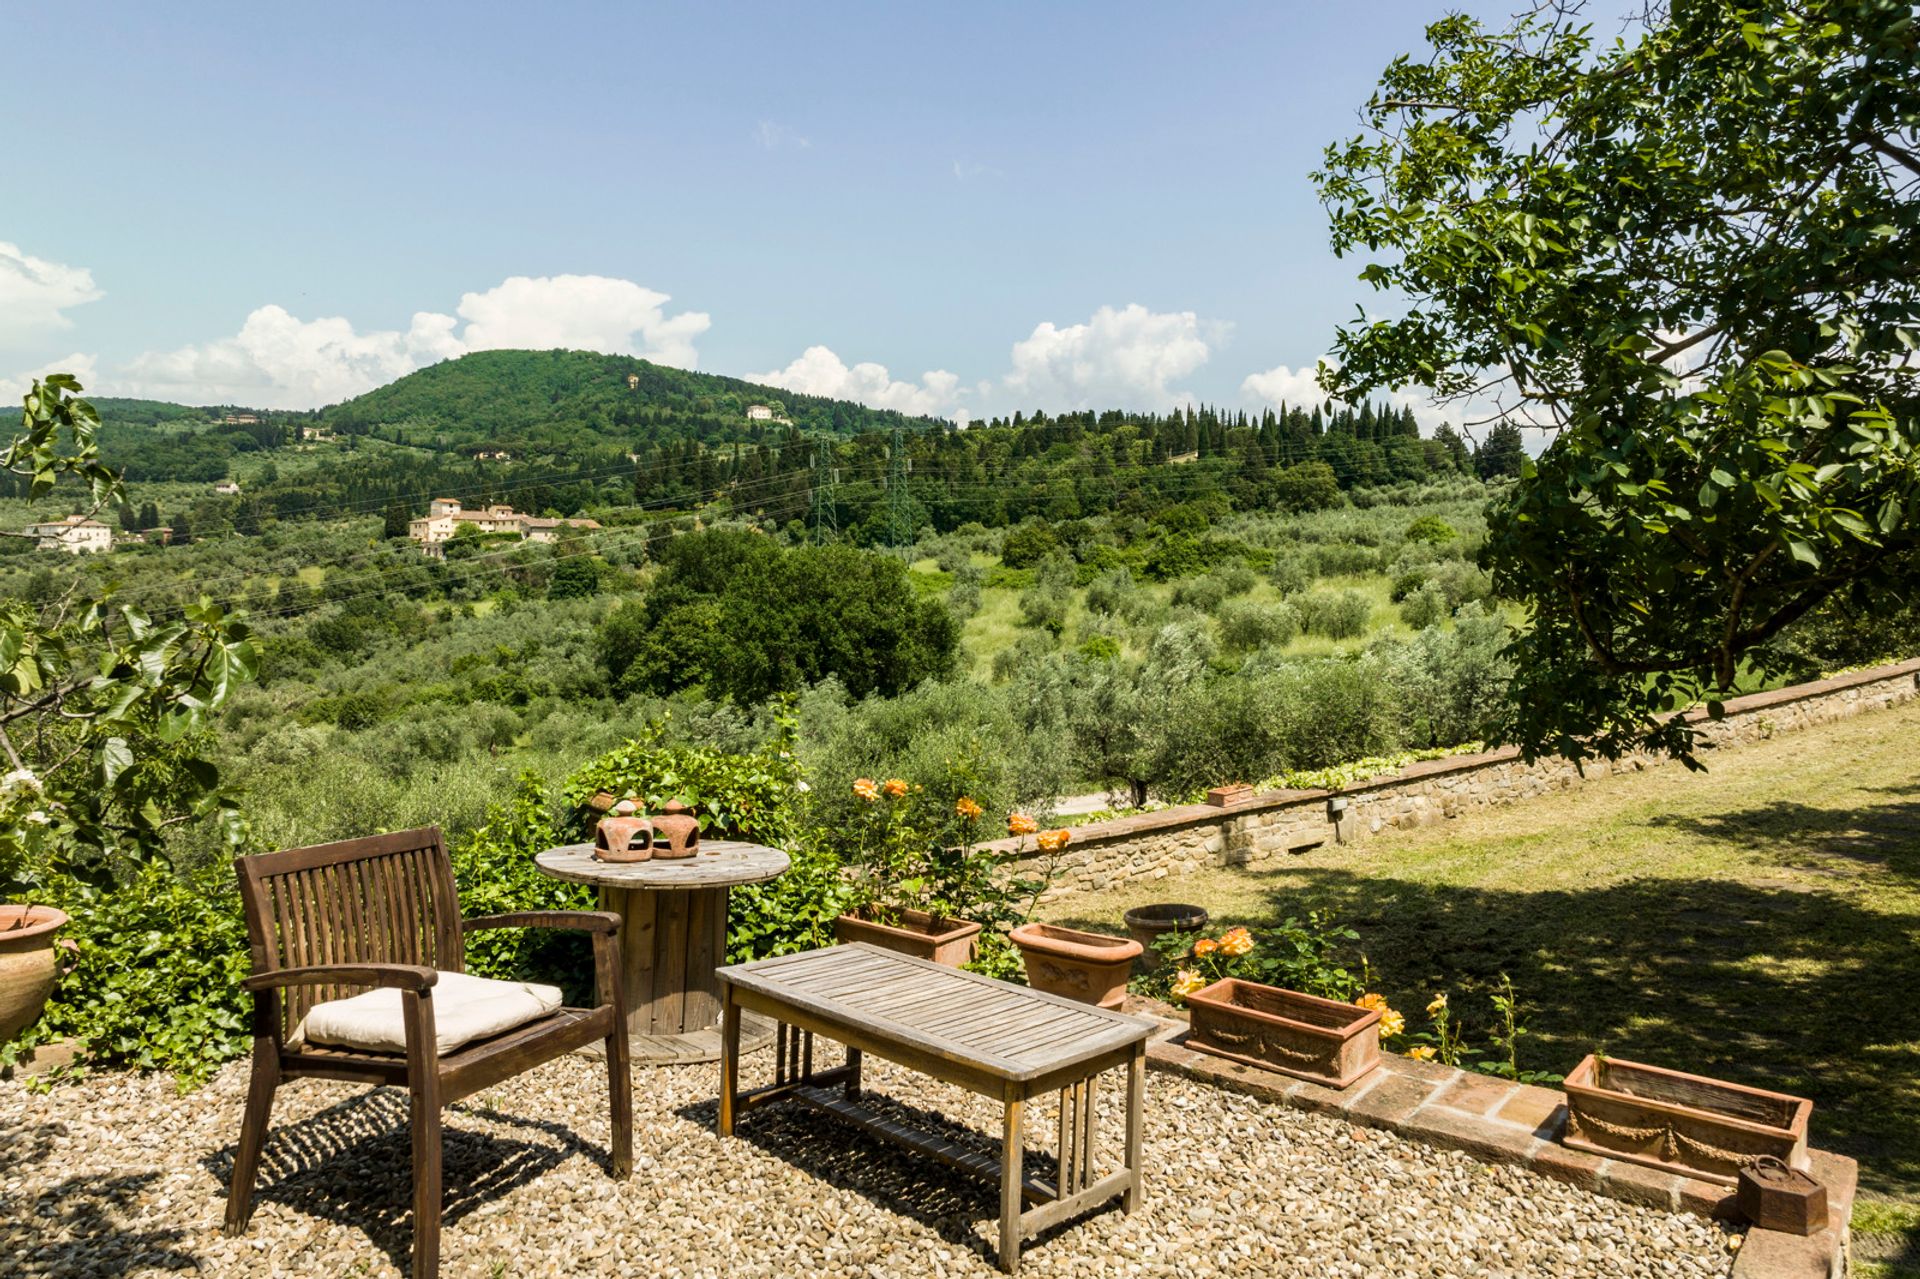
1503, 1122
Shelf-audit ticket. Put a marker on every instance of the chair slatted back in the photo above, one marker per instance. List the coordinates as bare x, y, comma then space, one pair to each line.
383, 899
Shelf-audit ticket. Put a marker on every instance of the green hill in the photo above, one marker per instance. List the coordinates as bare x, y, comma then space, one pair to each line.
557, 403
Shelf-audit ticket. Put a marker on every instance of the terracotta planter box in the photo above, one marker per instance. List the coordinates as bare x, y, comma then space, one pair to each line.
1230, 794
1682, 1123
28, 964
1089, 967
944, 941
1305, 1036
1147, 924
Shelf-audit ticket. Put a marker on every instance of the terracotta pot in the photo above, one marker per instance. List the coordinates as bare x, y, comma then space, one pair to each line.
1689, 1124
676, 831
28, 964
1089, 967
601, 801
1306, 1036
1147, 924
1230, 794
944, 941
623, 839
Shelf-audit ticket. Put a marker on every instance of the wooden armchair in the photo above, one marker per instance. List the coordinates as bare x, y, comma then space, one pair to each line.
334, 920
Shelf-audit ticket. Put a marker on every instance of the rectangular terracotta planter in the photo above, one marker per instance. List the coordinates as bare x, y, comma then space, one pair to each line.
1305, 1036
944, 941
1689, 1124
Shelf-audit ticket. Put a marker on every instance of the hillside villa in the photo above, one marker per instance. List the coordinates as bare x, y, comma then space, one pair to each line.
445, 517
76, 534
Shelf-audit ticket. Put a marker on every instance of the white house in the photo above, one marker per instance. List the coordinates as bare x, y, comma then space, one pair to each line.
75, 535
445, 517
227, 488
759, 413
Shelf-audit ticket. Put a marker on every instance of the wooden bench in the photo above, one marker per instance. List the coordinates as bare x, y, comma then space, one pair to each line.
989, 1036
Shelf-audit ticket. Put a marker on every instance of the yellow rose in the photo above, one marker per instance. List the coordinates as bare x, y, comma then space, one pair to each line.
1391, 1024
1186, 982
864, 787
1021, 824
1054, 840
1421, 1052
1438, 1006
1236, 941
967, 809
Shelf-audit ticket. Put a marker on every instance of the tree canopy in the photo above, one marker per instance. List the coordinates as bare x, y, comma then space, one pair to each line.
1693, 256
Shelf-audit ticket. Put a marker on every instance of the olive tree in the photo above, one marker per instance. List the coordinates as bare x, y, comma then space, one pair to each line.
1691, 256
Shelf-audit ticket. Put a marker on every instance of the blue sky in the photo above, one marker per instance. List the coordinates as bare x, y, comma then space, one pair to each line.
1043, 205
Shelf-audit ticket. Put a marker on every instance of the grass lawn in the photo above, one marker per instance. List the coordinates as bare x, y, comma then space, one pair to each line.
1759, 922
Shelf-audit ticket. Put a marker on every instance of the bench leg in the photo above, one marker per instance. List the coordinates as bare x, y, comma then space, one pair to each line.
853, 1074
1136, 1104
729, 1059
1012, 1175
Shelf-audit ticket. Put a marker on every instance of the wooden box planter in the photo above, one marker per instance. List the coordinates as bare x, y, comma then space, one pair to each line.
944, 941
1682, 1123
1089, 967
1306, 1036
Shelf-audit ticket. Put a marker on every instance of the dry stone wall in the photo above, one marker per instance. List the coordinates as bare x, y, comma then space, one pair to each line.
1275, 824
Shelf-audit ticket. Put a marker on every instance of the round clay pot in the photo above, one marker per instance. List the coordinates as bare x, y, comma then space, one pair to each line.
28, 964
676, 831
623, 839
1147, 924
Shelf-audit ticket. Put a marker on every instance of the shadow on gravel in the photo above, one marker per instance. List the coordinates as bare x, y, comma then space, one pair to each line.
961, 1209
352, 1163
94, 1210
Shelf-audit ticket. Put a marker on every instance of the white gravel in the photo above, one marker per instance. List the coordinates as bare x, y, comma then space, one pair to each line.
120, 1175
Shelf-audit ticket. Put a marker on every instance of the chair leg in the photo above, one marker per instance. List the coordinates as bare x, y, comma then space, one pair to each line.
426, 1181
620, 1089
253, 1134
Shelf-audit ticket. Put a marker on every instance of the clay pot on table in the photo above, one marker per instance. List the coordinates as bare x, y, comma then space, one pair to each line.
676, 831
623, 839
28, 964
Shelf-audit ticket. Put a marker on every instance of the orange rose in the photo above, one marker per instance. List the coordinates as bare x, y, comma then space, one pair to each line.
1054, 840
1236, 941
966, 808
894, 787
1372, 1001
865, 789
1021, 824
1205, 946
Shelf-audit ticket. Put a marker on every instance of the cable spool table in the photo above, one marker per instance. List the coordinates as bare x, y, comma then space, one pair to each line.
674, 938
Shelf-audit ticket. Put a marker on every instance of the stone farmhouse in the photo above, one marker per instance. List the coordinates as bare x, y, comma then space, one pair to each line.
76, 535
446, 517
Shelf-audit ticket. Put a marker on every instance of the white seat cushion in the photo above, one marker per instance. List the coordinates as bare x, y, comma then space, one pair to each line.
465, 1008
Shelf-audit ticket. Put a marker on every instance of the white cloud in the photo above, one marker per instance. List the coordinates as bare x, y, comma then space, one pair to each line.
819, 371
773, 135
12, 389
278, 360
34, 292
1126, 357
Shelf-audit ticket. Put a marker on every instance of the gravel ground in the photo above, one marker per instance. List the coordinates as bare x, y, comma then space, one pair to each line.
119, 1175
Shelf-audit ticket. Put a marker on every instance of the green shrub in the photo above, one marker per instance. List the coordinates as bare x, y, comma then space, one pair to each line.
1409, 580
1335, 614
1246, 625
1425, 607
1431, 529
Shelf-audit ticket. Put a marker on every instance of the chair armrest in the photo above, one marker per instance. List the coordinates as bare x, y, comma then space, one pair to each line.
588, 921
405, 976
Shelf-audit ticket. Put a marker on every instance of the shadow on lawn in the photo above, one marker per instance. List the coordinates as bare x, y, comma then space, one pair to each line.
1885, 833
1785, 987
352, 1163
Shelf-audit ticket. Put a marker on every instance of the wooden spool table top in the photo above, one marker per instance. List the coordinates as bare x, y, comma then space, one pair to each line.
720, 863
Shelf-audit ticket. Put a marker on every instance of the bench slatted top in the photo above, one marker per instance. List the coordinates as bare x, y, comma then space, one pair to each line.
1009, 1031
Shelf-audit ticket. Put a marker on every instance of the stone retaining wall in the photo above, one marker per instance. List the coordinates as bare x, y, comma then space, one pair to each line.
1272, 825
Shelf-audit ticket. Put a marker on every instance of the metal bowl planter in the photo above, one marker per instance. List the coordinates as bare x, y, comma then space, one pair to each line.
1147, 924
28, 964
1091, 968
1689, 1124
913, 932
1296, 1034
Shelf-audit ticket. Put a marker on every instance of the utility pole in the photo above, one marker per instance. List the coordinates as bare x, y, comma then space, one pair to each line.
826, 495
899, 528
